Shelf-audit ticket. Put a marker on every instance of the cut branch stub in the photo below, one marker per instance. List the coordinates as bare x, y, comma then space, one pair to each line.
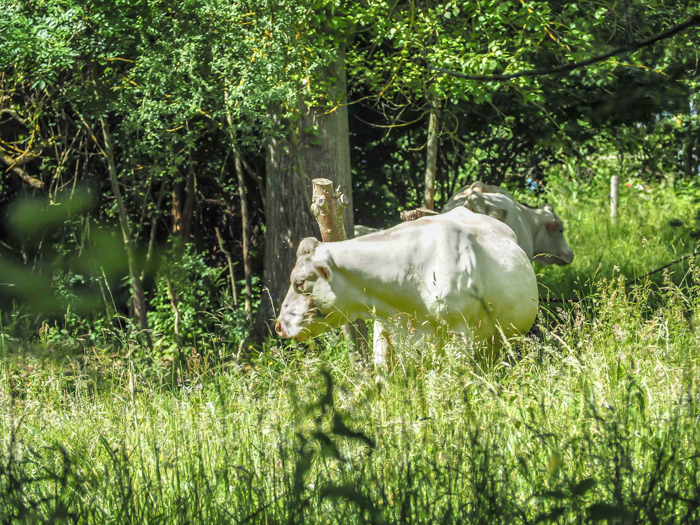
327, 207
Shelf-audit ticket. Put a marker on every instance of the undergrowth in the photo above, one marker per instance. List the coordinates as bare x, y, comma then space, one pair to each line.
593, 418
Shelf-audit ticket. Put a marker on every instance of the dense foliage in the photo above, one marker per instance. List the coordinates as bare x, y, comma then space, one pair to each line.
138, 139
120, 125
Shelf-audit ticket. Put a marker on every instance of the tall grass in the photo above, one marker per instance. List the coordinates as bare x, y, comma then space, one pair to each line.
592, 416
656, 224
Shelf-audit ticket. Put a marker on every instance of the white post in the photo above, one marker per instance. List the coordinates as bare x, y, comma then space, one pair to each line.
614, 193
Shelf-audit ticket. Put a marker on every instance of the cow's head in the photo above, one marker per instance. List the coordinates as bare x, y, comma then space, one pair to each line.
309, 307
549, 244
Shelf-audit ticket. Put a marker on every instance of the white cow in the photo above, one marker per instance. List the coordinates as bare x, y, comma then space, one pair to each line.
540, 231
459, 268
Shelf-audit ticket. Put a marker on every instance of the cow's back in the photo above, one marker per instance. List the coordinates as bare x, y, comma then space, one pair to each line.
461, 196
493, 282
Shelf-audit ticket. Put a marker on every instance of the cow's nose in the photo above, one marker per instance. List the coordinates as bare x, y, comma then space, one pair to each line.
566, 259
279, 329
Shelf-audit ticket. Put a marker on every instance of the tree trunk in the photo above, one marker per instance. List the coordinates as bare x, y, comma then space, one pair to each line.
177, 208
240, 164
245, 223
327, 207
14, 166
431, 155
250, 171
139, 297
288, 220
291, 163
689, 164
229, 260
190, 199
148, 265
183, 205
174, 306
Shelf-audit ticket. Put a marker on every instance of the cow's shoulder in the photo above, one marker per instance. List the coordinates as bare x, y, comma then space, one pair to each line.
481, 225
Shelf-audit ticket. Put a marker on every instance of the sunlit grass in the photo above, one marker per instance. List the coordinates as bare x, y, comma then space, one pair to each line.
655, 226
594, 416
591, 416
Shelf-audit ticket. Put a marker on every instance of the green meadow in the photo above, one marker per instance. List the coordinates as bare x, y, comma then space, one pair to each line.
591, 417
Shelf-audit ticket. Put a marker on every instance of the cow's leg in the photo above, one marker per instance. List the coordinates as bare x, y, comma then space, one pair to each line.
383, 349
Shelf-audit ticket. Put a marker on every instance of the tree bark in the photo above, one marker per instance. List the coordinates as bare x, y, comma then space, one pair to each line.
232, 276
183, 204
139, 297
173, 305
689, 165
177, 208
288, 220
19, 161
317, 145
14, 167
327, 207
431, 155
190, 199
250, 171
152, 236
181, 228
240, 164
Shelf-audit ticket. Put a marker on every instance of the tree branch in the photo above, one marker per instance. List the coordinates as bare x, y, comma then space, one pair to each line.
13, 166
19, 161
15, 116
565, 68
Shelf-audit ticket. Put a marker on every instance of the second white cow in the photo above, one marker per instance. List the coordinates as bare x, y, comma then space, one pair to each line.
457, 268
540, 231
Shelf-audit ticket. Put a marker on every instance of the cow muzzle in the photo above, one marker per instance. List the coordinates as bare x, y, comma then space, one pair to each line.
567, 259
280, 330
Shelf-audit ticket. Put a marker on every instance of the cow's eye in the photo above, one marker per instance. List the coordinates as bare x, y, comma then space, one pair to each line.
299, 286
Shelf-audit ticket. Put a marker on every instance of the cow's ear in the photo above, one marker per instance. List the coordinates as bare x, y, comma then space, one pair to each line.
307, 245
548, 207
323, 270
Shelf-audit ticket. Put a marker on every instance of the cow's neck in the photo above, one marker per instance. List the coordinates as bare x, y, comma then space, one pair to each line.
530, 216
365, 283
